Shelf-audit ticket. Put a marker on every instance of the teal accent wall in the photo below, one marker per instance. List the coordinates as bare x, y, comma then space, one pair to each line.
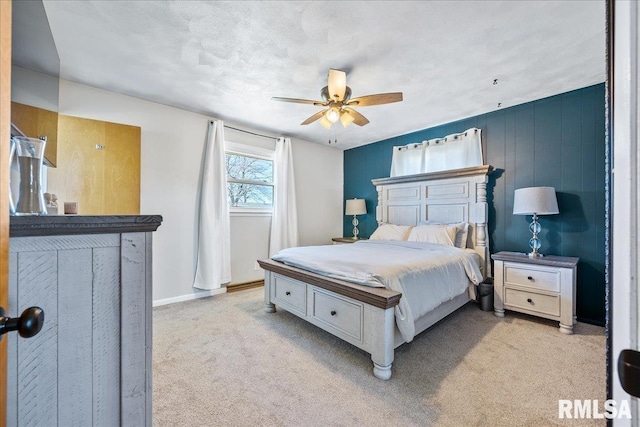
558, 142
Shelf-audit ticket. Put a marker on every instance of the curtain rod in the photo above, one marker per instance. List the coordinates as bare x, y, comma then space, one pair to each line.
437, 140
246, 131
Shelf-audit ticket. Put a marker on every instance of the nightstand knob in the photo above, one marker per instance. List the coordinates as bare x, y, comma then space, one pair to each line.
287, 293
529, 277
529, 300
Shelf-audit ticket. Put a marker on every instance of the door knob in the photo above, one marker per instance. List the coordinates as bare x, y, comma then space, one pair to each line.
28, 324
629, 371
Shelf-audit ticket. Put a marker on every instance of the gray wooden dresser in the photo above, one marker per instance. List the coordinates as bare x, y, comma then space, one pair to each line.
91, 362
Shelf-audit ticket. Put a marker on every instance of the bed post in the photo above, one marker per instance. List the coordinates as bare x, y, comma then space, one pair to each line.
482, 209
379, 206
383, 320
269, 307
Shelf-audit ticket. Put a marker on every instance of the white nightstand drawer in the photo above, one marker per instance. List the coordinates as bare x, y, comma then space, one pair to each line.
535, 277
290, 293
338, 314
547, 304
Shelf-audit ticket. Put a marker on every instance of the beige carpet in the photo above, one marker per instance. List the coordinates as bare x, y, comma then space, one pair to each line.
223, 361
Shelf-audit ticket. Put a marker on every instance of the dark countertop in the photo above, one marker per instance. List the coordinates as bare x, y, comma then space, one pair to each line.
53, 225
550, 260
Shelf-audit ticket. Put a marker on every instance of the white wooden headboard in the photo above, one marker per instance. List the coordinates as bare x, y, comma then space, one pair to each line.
445, 197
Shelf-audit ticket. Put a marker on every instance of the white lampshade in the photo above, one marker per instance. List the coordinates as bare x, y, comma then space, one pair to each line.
325, 122
355, 207
333, 114
346, 118
535, 200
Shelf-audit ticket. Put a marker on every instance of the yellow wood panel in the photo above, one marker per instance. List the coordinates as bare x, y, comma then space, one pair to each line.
105, 181
24, 117
5, 132
48, 126
122, 169
34, 122
80, 170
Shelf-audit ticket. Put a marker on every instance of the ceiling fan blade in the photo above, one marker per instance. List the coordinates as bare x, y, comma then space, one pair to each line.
337, 84
298, 101
378, 99
358, 118
315, 117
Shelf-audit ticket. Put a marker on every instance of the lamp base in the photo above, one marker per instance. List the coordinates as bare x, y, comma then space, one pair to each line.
355, 228
534, 243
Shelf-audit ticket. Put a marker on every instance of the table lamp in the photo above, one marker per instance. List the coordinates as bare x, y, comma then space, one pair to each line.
535, 201
355, 207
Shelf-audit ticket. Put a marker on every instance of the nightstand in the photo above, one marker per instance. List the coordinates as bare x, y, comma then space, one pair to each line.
341, 240
544, 287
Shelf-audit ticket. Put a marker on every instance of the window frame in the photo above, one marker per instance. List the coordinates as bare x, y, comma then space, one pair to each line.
244, 150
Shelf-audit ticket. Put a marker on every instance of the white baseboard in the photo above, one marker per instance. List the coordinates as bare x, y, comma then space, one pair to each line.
189, 297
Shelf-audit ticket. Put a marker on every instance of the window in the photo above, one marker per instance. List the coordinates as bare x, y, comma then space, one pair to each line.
250, 185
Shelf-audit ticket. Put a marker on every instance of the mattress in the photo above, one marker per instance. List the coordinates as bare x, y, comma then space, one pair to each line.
427, 274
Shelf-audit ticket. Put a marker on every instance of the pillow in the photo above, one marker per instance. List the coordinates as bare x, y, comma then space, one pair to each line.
391, 232
461, 235
434, 233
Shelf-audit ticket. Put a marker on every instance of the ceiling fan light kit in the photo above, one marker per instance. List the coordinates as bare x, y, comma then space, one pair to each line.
324, 121
337, 96
333, 114
345, 118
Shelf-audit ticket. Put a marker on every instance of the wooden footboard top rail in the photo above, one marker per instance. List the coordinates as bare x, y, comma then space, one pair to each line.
378, 297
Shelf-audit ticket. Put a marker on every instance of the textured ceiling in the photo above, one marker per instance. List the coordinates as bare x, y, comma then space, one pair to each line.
227, 59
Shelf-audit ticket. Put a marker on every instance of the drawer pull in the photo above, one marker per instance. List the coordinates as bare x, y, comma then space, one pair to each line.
529, 300
530, 278
333, 312
287, 293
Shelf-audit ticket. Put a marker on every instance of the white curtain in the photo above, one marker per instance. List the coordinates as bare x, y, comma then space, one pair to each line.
284, 222
455, 151
407, 160
213, 265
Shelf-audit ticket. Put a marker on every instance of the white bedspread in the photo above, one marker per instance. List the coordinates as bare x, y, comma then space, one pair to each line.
427, 274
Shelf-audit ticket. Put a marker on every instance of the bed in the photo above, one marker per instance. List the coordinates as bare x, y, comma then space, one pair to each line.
364, 314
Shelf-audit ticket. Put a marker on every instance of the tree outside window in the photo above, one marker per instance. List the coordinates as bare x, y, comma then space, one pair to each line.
249, 181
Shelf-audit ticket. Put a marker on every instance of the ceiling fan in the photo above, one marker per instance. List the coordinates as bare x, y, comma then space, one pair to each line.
336, 96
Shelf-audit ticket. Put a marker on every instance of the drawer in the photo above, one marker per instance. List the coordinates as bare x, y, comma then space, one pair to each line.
538, 277
546, 304
290, 294
338, 313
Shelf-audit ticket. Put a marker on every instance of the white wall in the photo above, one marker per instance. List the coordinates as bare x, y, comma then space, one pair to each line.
319, 189
172, 144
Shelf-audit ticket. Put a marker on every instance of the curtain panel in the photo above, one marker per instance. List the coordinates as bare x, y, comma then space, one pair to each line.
213, 264
284, 222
